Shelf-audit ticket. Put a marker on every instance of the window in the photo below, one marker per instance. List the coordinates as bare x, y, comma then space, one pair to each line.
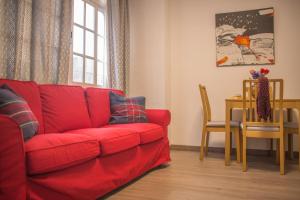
89, 44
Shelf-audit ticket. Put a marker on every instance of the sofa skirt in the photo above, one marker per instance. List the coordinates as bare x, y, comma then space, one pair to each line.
97, 177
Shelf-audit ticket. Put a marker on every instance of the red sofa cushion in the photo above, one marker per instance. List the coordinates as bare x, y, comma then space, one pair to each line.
29, 91
99, 105
64, 108
148, 132
112, 140
55, 151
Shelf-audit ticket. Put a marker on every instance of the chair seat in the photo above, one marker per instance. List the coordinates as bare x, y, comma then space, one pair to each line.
271, 128
262, 128
222, 124
291, 125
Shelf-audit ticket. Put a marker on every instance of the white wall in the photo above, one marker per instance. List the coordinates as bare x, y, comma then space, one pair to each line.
173, 50
149, 60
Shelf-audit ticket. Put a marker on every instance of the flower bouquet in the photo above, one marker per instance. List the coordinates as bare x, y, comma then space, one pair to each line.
259, 74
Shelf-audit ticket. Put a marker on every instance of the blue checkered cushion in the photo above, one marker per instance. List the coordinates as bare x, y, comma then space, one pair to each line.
127, 110
17, 108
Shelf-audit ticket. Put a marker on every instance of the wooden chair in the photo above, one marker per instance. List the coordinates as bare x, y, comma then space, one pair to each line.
291, 128
254, 95
215, 126
254, 127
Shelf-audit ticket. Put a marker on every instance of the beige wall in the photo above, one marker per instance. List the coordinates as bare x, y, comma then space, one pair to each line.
149, 71
173, 50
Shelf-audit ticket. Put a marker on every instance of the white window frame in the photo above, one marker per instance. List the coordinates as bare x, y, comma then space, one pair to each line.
98, 8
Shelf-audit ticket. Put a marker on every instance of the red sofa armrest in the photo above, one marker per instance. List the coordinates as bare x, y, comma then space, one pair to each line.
160, 117
12, 160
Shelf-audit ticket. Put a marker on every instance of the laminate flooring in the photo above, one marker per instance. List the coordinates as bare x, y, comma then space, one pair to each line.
188, 178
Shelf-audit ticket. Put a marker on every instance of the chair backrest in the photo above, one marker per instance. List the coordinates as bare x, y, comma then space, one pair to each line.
254, 93
205, 104
250, 94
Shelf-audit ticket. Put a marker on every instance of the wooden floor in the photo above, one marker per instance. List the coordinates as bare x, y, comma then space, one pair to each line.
187, 178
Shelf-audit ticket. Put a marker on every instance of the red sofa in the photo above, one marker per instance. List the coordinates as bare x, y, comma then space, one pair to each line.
76, 154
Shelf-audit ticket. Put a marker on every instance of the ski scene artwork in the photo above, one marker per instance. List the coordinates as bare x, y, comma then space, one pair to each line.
245, 38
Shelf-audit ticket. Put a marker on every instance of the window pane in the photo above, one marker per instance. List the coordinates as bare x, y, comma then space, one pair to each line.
78, 40
101, 24
89, 43
100, 50
77, 68
89, 71
100, 73
90, 16
78, 11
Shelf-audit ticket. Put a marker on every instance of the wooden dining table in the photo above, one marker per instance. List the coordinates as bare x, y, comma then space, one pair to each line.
237, 102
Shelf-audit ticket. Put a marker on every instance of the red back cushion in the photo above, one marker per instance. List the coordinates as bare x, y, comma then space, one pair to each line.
64, 108
99, 105
29, 91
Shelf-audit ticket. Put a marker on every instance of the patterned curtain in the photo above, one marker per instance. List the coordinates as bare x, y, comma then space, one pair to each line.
35, 38
118, 43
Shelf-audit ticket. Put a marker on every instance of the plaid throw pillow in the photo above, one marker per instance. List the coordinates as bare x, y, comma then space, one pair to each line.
17, 108
127, 110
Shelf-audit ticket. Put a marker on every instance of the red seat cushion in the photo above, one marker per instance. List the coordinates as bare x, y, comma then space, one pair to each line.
148, 132
64, 108
29, 91
99, 105
112, 140
50, 152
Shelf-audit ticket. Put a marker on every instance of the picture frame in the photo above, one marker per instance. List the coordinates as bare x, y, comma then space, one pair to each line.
245, 38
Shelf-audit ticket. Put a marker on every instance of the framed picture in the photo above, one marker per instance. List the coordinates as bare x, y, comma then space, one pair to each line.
245, 38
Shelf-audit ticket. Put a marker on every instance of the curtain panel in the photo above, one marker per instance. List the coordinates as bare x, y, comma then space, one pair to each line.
35, 40
118, 43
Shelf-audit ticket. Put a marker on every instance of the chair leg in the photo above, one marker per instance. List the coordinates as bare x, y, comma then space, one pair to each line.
231, 132
204, 133
238, 145
271, 147
241, 144
282, 155
290, 136
290, 146
277, 151
206, 143
244, 152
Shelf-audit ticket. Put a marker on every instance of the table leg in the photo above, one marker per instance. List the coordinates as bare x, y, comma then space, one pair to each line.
299, 141
231, 133
227, 135
298, 108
